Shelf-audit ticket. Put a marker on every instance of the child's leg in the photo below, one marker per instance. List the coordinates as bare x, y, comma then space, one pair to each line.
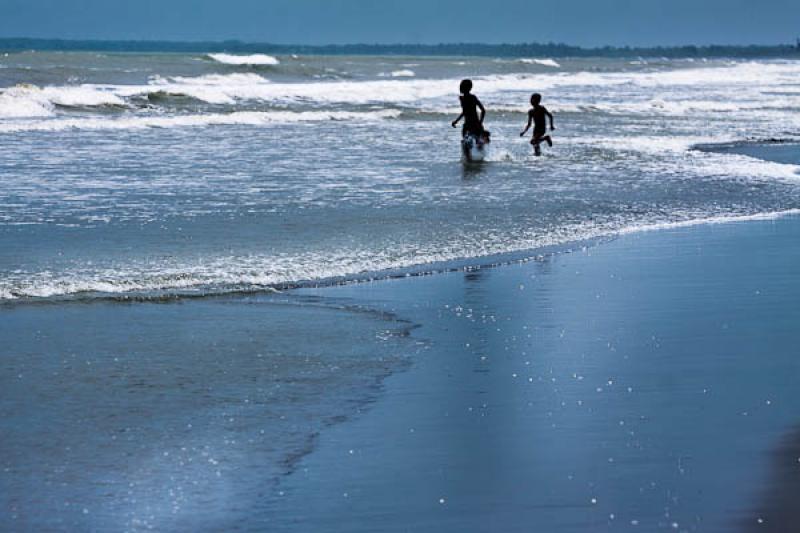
536, 142
540, 136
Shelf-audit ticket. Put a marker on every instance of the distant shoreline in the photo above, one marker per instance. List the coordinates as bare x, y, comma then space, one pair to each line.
454, 49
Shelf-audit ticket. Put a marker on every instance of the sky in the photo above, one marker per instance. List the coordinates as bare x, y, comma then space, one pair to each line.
577, 22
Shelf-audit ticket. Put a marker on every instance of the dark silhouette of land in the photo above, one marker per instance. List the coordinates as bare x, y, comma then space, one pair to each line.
453, 49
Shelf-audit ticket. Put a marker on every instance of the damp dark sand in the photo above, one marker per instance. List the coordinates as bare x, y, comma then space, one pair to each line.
643, 384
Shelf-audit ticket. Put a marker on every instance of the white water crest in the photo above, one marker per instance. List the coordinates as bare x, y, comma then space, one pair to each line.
174, 174
33, 101
544, 62
262, 272
23, 102
253, 59
243, 118
732, 88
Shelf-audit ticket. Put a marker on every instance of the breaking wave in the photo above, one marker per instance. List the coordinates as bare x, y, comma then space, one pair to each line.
328, 203
735, 81
253, 273
543, 62
250, 60
24, 101
245, 118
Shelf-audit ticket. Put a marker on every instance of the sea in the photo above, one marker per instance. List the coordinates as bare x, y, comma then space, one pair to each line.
164, 173
156, 209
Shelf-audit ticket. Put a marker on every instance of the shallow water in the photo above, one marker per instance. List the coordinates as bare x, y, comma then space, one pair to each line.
179, 415
171, 173
143, 177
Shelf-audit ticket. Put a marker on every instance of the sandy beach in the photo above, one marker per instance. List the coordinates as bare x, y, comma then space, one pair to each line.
262, 292
649, 381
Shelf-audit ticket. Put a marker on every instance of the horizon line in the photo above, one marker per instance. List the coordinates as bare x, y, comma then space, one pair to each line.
554, 44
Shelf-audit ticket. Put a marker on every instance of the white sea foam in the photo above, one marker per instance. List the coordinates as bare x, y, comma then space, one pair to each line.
31, 101
82, 96
229, 273
253, 59
727, 166
250, 272
259, 271
414, 90
227, 89
22, 102
245, 118
405, 73
721, 219
728, 81
676, 107
651, 144
655, 107
543, 62
211, 88
708, 105
747, 168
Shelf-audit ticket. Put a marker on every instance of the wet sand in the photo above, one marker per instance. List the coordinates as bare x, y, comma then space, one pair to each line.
640, 384
777, 509
647, 383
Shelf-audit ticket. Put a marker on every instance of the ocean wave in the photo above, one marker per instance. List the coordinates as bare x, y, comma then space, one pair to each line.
404, 73
254, 273
720, 219
543, 62
229, 89
678, 108
242, 118
24, 101
609, 155
249, 60
218, 88
655, 107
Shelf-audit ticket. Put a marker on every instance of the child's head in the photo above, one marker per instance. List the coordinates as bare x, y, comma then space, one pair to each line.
536, 99
465, 87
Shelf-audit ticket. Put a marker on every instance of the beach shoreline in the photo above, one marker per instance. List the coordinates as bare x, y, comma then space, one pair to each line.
205, 329
419, 458
431, 420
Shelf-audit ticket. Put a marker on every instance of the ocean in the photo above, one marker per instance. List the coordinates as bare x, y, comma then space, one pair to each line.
142, 174
156, 210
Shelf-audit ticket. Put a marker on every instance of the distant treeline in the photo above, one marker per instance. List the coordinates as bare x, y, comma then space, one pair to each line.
455, 49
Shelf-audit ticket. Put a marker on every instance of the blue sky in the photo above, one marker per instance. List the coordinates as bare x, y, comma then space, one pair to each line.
581, 22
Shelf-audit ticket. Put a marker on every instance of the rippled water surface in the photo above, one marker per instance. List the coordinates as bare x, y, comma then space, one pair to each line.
169, 172
141, 177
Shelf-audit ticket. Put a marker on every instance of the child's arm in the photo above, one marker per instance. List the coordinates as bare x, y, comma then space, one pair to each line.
456, 121
483, 109
550, 115
527, 126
